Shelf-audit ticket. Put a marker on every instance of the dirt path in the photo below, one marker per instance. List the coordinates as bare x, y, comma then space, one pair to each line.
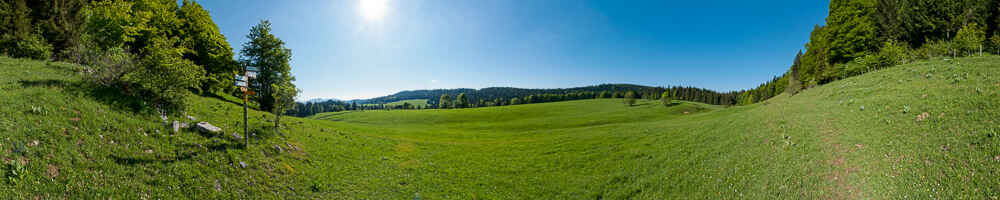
839, 178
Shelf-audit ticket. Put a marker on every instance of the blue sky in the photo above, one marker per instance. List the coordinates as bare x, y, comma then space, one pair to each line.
428, 44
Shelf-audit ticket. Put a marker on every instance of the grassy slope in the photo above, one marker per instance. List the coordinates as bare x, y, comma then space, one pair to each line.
819, 144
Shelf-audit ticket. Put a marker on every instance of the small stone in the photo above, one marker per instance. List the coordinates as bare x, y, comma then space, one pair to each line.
277, 148
33, 143
177, 126
237, 136
243, 164
218, 187
148, 151
996, 158
192, 118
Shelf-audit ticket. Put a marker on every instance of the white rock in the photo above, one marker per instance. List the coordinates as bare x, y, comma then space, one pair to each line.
207, 128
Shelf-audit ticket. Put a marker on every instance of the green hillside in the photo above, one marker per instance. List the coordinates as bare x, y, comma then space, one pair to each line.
923, 130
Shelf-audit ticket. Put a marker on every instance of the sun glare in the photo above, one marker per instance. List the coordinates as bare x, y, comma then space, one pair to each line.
373, 9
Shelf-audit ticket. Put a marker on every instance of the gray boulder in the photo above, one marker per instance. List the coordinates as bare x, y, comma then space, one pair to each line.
207, 128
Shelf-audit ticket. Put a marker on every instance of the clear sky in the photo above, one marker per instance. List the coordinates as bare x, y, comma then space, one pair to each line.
340, 50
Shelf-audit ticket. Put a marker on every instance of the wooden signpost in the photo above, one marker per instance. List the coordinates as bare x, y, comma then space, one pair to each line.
244, 82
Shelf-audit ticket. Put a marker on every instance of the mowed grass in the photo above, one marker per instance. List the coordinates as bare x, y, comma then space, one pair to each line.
820, 144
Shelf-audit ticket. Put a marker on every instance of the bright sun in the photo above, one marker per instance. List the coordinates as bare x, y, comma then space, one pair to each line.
373, 9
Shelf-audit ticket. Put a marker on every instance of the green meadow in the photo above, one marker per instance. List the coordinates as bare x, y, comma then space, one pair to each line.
926, 130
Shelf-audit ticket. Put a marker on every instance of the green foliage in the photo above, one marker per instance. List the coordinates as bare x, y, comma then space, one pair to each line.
284, 100
666, 98
28, 45
115, 24
970, 38
164, 77
206, 46
267, 52
107, 67
938, 48
794, 85
515, 101
852, 29
445, 102
894, 53
461, 101
629, 98
16, 171
995, 42
605, 94
18, 37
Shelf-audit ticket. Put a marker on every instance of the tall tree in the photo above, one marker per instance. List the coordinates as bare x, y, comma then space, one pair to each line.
284, 100
445, 102
206, 46
793, 76
461, 101
268, 53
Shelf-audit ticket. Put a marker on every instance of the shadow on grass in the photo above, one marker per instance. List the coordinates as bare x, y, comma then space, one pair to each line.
191, 151
42, 83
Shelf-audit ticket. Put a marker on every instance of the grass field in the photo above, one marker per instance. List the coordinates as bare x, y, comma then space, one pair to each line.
923, 131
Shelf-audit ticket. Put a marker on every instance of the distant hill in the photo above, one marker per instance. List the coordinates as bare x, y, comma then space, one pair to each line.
319, 100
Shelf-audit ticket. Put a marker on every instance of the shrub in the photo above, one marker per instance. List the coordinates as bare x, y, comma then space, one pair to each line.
630, 98
31, 46
107, 67
164, 76
666, 99
933, 49
970, 38
894, 53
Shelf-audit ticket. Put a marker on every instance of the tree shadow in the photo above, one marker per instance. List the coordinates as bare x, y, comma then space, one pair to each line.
42, 83
193, 150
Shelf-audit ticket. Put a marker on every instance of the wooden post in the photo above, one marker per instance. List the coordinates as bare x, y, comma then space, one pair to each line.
246, 128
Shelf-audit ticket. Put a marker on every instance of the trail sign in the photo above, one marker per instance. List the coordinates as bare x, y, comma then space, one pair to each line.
252, 69
252, 74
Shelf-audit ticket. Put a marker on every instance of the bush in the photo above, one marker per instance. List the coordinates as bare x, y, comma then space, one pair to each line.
107, 67
164, 77
970, 38
666, 98
31, 46
894, 53
933, 49
630, 98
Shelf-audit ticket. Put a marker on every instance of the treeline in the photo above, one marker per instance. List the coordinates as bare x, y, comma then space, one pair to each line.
503, 96
156, 51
